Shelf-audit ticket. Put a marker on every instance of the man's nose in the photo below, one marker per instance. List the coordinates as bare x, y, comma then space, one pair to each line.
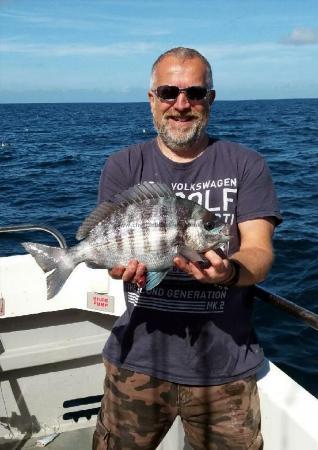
182, 102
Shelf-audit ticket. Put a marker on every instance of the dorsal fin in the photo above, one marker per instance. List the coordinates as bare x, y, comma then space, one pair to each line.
136, 194
144, 191
102, 211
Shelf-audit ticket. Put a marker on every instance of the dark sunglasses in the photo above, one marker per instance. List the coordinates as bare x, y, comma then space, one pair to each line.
171, 93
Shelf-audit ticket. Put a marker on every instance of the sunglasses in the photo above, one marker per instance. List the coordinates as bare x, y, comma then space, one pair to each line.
171, 93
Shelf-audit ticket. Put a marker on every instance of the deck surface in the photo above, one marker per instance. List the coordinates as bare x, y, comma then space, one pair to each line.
77, 439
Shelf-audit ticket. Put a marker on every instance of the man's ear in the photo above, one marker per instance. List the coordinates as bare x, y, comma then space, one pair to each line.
211, 97
151, 98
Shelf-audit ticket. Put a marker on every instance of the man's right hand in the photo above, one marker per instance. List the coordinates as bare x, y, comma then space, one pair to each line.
135, 272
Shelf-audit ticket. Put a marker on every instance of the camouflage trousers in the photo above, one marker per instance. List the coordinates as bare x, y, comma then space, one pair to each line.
137, 411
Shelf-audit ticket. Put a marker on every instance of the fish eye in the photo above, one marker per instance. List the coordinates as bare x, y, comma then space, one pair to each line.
208, 226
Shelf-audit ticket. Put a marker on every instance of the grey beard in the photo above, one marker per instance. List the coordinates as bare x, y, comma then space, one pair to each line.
184, 140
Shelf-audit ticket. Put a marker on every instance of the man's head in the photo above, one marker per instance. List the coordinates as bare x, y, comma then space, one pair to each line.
181, 115
183, 53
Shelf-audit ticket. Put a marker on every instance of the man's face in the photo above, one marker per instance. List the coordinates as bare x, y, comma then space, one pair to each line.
182, 123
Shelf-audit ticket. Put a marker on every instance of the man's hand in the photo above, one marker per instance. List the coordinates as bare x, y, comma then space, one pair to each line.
255, 256
219, 270
135, 272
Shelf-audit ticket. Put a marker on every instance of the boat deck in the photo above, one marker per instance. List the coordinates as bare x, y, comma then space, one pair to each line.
80, 439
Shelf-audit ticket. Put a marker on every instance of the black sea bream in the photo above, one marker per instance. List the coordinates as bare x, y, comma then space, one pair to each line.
148, 223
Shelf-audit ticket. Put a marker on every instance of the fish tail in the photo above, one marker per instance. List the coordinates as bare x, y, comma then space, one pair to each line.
52, 259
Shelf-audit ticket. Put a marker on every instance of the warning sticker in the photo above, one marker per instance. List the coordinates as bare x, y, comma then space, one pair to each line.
101, 302
1, 306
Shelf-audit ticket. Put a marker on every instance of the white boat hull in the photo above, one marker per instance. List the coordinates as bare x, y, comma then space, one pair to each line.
52, 375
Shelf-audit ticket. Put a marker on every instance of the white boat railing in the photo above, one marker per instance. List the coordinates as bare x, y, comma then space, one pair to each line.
36, 227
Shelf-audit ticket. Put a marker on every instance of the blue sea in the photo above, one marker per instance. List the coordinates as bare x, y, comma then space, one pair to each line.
51, 156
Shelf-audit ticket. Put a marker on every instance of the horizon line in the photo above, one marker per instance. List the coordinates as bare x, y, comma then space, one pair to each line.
144, 101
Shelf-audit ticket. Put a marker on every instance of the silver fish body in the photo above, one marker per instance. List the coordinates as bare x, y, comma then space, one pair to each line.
149, 223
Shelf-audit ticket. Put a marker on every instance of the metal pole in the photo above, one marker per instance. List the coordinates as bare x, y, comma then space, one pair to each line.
34, 227
291, 308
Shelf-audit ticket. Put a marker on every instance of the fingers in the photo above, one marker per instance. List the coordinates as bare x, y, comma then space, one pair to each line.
117, 272
140, 275
181, 263
130, 271
216, 260
135, 272
215, 271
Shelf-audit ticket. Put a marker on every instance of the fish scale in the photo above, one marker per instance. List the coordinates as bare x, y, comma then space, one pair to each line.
149, 224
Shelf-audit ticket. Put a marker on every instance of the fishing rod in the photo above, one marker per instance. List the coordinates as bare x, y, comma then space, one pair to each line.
309, 317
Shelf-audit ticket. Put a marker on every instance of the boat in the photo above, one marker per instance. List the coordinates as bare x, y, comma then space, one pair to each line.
51, 373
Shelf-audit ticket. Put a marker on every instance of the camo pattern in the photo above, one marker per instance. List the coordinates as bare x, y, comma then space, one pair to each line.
140, 410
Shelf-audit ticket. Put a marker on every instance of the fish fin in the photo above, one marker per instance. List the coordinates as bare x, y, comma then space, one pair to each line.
45, 255
100, 213
53, 259
154, 278
56, 280
144, 191
190, 254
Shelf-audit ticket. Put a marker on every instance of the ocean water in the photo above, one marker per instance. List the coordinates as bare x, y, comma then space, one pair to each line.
51, 156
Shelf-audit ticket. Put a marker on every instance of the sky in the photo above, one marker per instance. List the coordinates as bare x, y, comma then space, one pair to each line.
102, 51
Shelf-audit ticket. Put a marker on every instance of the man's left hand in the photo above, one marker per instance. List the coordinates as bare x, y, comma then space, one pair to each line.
219, 270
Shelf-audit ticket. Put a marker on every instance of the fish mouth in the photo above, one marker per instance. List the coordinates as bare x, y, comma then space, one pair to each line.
225, 229
221, 234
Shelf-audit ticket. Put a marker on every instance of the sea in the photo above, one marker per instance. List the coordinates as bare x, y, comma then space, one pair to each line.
51, 157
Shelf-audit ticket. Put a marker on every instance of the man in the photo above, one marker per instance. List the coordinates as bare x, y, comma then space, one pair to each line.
187, 347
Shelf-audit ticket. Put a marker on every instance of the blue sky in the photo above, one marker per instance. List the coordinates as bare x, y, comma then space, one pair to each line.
99, 50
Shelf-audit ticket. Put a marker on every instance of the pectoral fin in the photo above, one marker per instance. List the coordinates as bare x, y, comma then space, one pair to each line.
154, 278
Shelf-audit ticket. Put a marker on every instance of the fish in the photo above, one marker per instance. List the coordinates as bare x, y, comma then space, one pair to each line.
147, 222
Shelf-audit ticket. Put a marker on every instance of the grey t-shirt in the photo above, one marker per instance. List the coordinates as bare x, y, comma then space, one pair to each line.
185, 331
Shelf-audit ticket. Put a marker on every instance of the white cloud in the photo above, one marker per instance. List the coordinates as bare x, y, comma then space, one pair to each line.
258, 56
46, 21
92, 20
302, 36
60, 50
263, 51
149, 32
239, 50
